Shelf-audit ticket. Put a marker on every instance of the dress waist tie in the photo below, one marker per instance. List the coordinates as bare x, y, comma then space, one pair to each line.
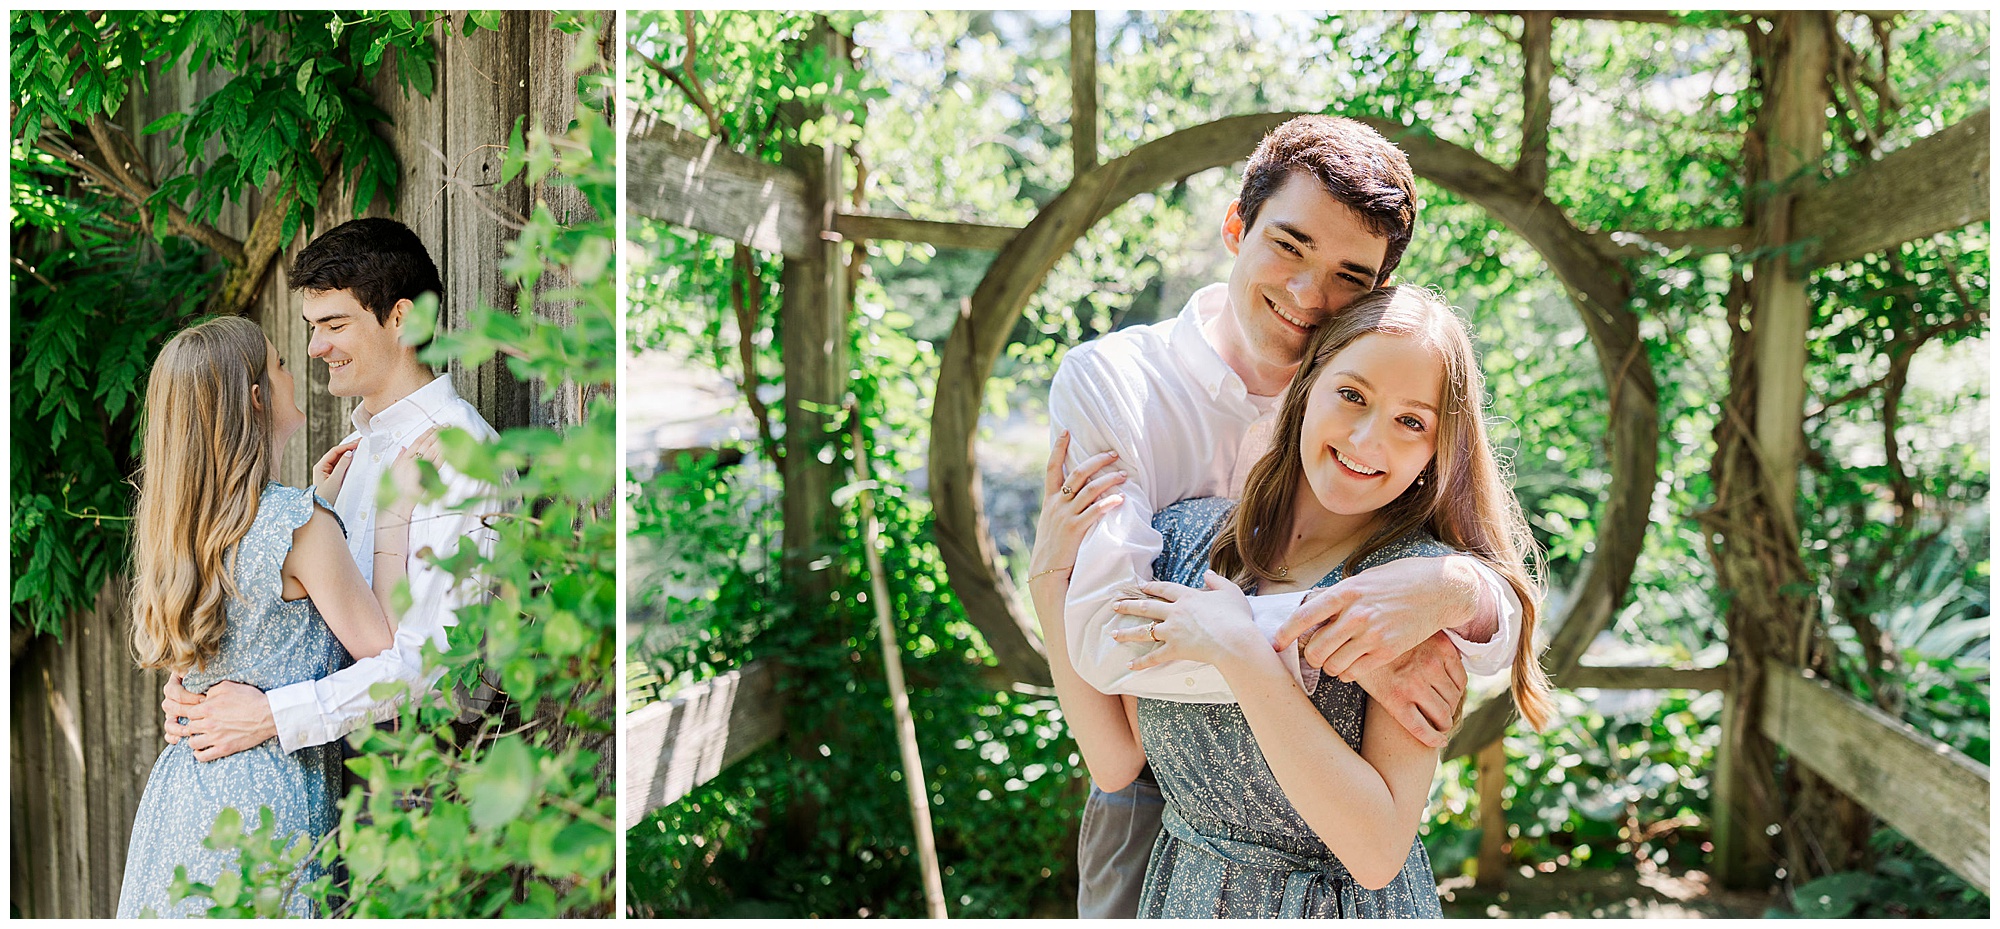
1307, 878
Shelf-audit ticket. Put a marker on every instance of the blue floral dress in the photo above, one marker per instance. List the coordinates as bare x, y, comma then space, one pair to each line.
268, 642
1232, 846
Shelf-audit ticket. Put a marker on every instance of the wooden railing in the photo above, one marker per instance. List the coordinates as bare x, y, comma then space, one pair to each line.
1927, 790
1936, 796
678, 744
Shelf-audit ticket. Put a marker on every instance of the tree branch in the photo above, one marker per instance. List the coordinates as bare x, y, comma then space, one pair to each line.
690, 84
135, 189
37, 275
245, 279
746, 297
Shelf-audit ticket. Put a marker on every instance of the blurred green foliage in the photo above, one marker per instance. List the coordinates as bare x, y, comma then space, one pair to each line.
955, 115
519, 818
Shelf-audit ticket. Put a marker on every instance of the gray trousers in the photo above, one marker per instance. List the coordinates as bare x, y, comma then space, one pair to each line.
1114, 845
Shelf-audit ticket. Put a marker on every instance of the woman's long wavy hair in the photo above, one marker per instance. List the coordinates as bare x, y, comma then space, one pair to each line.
207, 456
1464, 502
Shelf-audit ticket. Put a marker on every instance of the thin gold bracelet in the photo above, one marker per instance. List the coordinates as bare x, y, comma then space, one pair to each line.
396, 554
1032, 577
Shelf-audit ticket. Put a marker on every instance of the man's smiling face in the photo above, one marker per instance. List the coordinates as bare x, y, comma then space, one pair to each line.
361, 354
1304, 258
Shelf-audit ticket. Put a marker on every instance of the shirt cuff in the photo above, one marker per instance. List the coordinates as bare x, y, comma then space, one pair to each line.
1496, 655
295, 714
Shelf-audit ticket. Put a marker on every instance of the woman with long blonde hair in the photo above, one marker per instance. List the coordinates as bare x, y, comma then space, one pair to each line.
238, 577
1292, 802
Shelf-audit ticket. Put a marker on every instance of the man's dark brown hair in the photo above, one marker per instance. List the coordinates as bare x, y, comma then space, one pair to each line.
1355, 166
377, 259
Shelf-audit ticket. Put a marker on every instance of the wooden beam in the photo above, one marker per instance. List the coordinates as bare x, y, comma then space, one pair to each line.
1603, 678
675, 176
1941, 182
1624, 16
1083, 91
1931, 793
676, 745
929, 232
1637, 243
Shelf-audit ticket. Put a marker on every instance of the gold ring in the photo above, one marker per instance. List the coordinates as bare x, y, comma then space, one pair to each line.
1154, 630
1067, 492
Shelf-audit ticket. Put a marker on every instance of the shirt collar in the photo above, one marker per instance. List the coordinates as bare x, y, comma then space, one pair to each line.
1192, 349
421, 407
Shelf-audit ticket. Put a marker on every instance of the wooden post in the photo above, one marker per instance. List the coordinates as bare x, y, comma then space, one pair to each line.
1083, 90
813, 345
1537, 72
1794, 148
1492, 875
814, 348
1757, 464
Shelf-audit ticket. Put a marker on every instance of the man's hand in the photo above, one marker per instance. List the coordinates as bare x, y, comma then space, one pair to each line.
179, 701
230, 718
1382, 613
1422, 689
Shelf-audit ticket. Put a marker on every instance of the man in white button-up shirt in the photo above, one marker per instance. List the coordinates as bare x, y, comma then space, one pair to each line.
1326, 210
359, 282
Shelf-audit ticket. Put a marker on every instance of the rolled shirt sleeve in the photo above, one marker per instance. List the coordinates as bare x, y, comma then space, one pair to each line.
1119, 551
1495, 655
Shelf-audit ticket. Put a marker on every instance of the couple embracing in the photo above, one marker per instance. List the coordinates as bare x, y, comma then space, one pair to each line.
1274, 538
272, 606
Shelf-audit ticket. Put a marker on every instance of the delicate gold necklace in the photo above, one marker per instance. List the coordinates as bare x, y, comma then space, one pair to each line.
1285, 570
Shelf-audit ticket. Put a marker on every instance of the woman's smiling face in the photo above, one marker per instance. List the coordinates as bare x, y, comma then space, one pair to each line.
1371, 422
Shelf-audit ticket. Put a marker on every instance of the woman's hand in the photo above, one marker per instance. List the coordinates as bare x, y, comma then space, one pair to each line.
1211, 625
1070, 506
331, 471
407, 476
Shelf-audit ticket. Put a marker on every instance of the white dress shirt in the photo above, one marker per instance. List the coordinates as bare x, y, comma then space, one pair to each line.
1184, 425
317, 712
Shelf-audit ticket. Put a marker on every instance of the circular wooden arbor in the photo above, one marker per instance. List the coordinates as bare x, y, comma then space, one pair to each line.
1594, 280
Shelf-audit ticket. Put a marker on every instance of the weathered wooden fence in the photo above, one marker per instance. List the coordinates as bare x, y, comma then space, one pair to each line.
86, 721
1937, 184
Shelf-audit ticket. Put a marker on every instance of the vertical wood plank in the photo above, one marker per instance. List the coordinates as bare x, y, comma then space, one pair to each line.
31, 876
63, 691
553, 106
486, 91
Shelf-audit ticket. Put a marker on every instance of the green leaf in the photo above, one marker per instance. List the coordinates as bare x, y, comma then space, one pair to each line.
501, 786
164, 123
418, 72
510, 167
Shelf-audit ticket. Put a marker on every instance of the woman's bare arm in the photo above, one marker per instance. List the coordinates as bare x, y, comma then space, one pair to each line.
1371, 819
1105, 728
321, 564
